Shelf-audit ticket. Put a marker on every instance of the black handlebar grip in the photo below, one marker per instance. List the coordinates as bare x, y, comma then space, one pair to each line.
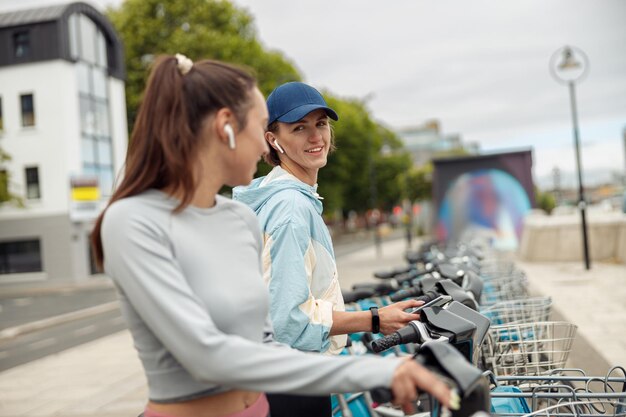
384, 274
429, 296
381, 395
385, 287
360, 294
408, 277
386, 342
408, 293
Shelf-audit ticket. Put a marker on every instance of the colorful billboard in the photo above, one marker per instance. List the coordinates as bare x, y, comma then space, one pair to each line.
489, 194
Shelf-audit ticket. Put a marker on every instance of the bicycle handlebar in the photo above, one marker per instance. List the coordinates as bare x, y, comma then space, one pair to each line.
380, 288
394, 272
408, 293
361, 293
386, 342
381, 395
407, 334
450, 365
412, 293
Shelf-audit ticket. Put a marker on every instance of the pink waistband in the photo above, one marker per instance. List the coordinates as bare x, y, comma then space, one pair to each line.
260, 408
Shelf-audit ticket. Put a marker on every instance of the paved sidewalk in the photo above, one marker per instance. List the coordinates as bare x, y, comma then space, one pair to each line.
95, 282
594, 300
104, 378
99, 379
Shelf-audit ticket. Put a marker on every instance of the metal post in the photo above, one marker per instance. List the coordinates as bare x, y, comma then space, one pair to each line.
624, 177
556, 176
373, 200
581, 197
409, 212
409, 223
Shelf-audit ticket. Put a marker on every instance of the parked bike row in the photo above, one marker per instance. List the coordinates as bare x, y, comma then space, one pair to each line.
483, 334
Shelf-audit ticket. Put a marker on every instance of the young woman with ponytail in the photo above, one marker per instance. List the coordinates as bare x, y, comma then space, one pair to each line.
187, 261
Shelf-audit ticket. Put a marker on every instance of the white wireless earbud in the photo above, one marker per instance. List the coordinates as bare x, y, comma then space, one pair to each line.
228, 129
281, 150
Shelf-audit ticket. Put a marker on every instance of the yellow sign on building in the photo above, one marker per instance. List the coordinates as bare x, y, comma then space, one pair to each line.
85, 189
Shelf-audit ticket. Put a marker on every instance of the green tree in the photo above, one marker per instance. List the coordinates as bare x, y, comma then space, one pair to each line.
5, 180
219, 30
419, 182
197, 28
346, 182
545, 200
392, 164
450, 153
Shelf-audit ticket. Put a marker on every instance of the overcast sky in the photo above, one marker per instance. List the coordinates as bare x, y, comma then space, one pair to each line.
479, 67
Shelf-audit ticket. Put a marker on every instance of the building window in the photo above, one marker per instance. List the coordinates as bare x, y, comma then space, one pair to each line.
72, 23
20, 256
87, 35
33, 191
28, 110
21, 43
96, 141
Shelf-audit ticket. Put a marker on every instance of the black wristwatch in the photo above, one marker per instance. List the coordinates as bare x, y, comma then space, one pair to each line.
375, 320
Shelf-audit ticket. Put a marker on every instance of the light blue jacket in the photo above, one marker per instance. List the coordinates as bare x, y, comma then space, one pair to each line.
298, 261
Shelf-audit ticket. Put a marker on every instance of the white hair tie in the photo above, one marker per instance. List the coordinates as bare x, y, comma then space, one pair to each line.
184, 63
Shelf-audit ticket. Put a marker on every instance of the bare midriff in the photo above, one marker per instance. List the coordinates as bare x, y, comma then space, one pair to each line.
211, 406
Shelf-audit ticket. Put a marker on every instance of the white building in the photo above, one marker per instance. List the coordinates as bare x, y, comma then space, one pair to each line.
426, 142
63, 122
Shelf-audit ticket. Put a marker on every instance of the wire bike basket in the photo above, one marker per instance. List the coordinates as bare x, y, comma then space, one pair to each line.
509, 287
528, 348
560, 396
527, 310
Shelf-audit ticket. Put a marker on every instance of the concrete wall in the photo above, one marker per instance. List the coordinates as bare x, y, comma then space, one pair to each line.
559, 238
53, 234
64, 247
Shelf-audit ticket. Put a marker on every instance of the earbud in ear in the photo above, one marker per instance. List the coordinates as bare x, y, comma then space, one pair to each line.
281, 150
228, 129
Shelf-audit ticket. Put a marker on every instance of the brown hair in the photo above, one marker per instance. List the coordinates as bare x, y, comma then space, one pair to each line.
165, 138
272, 158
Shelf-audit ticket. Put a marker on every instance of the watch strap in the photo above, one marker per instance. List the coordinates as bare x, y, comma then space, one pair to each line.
375, 320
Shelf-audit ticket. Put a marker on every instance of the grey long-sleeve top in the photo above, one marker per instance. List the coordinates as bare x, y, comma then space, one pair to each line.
191, 291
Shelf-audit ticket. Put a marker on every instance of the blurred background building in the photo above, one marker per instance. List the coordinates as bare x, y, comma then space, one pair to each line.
63, 124
426, 142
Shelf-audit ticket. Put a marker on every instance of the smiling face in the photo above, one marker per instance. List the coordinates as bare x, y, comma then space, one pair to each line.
306, 144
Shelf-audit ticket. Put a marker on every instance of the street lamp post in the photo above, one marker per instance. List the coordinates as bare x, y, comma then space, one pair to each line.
569, 65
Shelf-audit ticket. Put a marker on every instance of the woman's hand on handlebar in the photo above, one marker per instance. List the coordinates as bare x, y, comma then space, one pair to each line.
393, 317
410, 377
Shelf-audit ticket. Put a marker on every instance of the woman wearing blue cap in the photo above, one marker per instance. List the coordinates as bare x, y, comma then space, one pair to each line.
306, 308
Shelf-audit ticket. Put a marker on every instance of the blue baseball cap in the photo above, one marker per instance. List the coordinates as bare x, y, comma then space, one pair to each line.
292, 101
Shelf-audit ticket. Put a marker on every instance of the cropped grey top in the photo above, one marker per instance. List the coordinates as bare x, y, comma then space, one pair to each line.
191, 290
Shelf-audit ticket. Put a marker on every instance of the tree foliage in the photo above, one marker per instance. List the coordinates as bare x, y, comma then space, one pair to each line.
5, 179
347, 182
219, 30
545, 200
419, 182
198, 29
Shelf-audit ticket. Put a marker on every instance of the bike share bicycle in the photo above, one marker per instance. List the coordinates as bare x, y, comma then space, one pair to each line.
519, 350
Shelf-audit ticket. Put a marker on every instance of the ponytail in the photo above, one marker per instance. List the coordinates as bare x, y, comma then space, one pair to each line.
165, 139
